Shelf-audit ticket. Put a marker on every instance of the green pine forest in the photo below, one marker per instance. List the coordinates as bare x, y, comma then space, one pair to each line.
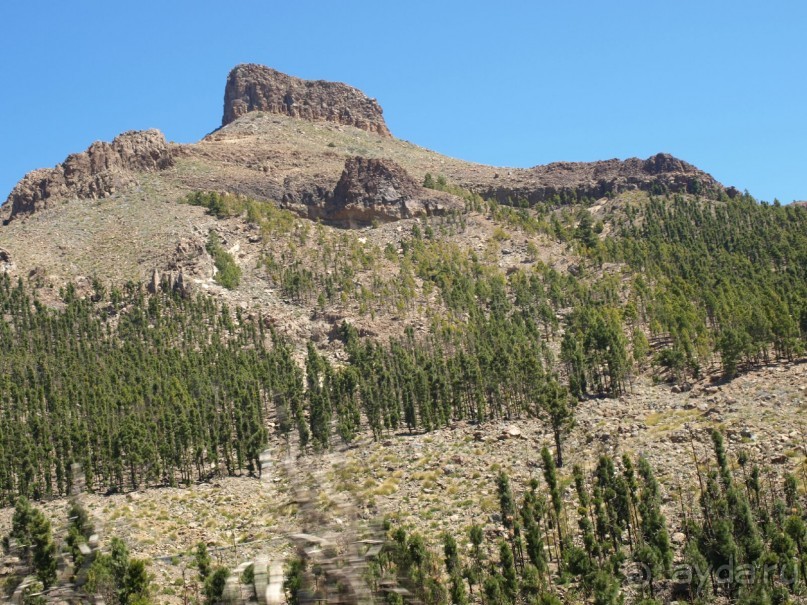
148, 389
159, 389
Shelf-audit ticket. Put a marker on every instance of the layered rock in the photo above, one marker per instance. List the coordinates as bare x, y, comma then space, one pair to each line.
95, 173
258, 88
171, 281
380, 190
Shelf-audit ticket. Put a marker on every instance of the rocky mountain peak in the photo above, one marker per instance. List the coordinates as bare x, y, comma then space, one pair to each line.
664, 162
257, 88
95, 173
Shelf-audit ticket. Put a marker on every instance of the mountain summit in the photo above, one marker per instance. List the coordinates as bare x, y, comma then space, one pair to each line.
258, 88
290, 140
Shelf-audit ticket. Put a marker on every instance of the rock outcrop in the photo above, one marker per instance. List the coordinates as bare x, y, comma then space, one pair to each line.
258, 88
659, 173
95, 173
6, 264
380, 190
271, 157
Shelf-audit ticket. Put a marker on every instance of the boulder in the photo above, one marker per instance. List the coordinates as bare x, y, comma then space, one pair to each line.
371, 190
6, 264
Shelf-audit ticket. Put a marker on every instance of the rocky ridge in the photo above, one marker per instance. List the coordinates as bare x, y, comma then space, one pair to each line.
95, 173
257, 88
659, 173
291, 140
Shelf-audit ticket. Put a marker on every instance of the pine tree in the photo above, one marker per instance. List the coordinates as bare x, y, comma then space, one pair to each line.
653, 524
21, 524
214, 585
571, 352
493, 590
203, 561
550, 476
532, 511
43, 549
508, 570
510, 518
584, 521
451, 553
457, 591
318, 376
474, 571
547, 598
606, 589
555, 405
294, 579
136, 585
585, 230
696, 567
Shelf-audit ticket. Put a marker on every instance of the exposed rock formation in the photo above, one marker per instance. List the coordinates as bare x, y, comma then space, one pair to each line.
171, 281
6, 264
271, 158
379, 189
258, 88
95, 173
659, 173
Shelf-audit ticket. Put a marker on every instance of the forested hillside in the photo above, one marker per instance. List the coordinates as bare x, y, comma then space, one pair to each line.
155, 388
139, 389
734, 272
147, 387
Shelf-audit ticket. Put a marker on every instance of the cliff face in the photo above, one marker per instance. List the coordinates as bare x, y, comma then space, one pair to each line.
259, 88
94, 173
379, 189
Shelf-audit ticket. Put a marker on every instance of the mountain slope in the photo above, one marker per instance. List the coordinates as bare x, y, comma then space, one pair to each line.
397, 328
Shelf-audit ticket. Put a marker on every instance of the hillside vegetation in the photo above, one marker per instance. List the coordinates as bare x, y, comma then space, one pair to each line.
571, 383
162, 389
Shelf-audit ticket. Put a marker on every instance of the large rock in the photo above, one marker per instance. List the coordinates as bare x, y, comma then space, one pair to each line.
95, 173
380, 190
6, 264
258, 88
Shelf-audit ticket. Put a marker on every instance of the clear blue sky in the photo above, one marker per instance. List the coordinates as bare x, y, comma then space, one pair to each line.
721, 84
